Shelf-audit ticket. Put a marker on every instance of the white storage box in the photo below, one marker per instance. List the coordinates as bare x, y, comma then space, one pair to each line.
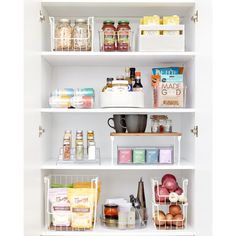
158, 42
122, 99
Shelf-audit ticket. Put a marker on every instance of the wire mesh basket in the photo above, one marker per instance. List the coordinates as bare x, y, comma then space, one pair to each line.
169, 208
170, 217
70, 38
71, 202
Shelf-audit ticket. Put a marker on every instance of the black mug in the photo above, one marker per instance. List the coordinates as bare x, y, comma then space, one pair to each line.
135, 123
119, 123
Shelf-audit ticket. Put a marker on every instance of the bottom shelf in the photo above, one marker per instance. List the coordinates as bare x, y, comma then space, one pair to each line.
99, 230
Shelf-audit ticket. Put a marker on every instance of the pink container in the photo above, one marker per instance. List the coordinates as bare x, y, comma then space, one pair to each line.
124, 156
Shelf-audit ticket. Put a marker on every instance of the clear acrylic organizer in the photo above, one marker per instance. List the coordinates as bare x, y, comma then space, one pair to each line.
73, 159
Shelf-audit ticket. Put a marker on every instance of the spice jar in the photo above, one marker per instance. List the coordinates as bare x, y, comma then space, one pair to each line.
81, 35
111, 211
158, 124
109, 35
63, 35
123, 35
168, 126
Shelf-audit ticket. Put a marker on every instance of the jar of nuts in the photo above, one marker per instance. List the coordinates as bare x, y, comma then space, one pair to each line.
63, 35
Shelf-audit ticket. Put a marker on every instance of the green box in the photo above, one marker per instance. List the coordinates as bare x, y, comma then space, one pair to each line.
139, 156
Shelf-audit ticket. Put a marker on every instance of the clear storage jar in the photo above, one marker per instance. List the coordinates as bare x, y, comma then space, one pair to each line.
82, 39
63, 35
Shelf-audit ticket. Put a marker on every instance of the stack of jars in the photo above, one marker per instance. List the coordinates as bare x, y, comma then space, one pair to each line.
161, 124
76, 37
116, 38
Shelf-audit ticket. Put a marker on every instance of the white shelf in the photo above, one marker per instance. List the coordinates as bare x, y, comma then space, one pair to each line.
106, 165
119, 110
102, 231
115, 58
122, 8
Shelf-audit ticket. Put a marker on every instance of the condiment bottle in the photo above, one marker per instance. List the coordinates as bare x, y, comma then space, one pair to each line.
123, 35
127, 77
132, 73
67, 145
108, 86
109, 35
90, 138
137, 85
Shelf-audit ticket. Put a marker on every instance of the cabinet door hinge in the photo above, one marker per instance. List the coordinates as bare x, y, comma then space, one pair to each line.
195, 131
42, 18
41, 131
194, 17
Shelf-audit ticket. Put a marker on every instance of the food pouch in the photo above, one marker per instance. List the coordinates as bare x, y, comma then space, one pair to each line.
82, 207
60, 206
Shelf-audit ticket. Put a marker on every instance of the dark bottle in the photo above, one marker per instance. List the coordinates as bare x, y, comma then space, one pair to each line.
132, 73
137, 85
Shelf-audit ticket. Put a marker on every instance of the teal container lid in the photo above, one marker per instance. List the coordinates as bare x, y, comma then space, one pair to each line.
109, 21
123, 21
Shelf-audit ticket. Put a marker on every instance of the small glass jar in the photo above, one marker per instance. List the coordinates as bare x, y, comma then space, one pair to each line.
81, 36
162, 125
111, 211
155, 128
63, 35
168, 126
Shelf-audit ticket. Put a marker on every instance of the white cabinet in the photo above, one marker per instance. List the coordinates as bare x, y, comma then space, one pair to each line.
46, 70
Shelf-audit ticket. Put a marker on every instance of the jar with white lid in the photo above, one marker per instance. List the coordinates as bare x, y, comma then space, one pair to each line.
120, 86
81, 35
63, 35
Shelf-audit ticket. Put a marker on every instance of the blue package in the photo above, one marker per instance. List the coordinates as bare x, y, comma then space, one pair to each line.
172, 78
151, 156
166, 71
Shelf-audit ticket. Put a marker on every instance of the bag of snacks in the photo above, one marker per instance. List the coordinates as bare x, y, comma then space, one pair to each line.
60, 206
82, 207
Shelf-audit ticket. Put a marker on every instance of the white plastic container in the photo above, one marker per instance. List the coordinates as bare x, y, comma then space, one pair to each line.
155, 42
122, 99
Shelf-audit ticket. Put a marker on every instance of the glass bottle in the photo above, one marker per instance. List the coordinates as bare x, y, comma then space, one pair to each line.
108, 86
127, 77
81, 35
67, 145
109, 35
137, 85
79, 145
132, 74
63, 35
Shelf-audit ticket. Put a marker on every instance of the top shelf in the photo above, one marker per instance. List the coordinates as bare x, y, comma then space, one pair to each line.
115, 58
117, 8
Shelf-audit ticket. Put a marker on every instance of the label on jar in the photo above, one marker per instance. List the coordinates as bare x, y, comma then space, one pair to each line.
123, 37
109, 37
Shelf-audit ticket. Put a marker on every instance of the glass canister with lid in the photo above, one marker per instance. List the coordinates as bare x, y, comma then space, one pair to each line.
82, 39
63, 35
109, 36
123, 35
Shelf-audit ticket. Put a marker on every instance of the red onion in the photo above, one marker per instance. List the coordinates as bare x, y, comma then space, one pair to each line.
168, 176
161, 193
179, 190
170, 185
